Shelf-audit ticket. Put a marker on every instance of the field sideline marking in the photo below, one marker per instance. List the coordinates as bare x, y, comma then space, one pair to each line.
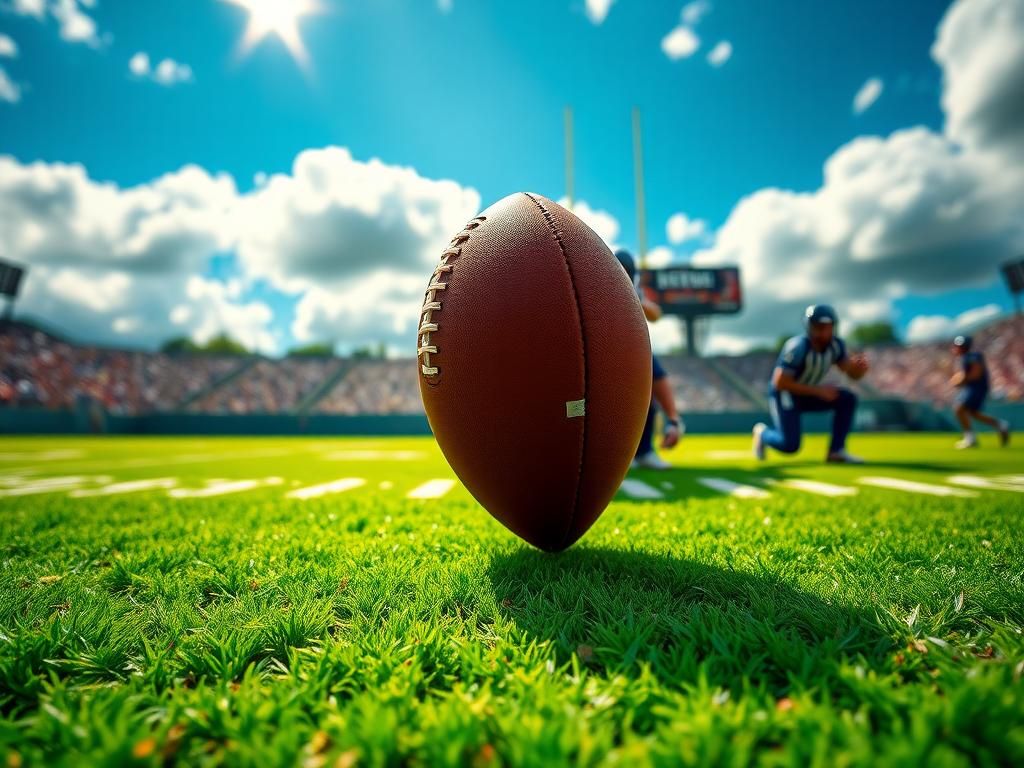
814, 486
896, 484
51, 485
987, 483
432, 489
128, 486
738, 490
637, 489
221, 487
371, 455
335, 486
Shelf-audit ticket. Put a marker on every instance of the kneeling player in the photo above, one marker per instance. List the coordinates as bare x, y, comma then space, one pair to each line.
972, 381
795, 388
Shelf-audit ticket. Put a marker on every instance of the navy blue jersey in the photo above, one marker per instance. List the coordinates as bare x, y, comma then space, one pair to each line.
799, 359
967, 361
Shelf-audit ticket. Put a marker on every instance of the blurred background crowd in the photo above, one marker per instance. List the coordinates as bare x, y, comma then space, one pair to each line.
39, 370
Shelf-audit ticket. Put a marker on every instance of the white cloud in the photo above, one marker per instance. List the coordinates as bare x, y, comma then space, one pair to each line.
602, 222
168, 72
139, 64
337, 218
597, 10
935, 327
360, 240
720, 54
659, 257
682, 42
980, 47
36, 8
915, 212
867, 95
10, 91
908, 213
681, 228
8, 48
106, 261
75, 24
693, 12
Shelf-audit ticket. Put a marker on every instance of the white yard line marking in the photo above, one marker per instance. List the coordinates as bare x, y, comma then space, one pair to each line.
42, 455
129, 486
335, 486
986, 483
910, 486
50, 485
727, 455
813, 486
221, 487
637, 489
369, 455
739, 490
432, 489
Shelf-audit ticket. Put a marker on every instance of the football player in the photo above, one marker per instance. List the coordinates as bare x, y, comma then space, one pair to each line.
646, 456
972, 381
796, 387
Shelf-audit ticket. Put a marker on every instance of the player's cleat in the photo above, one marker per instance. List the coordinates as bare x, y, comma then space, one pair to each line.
673, 431
758, 446
842, 457
1004, 433
650, 461
967, 442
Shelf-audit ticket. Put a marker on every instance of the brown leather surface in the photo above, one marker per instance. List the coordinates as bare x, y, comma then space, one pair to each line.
536, 313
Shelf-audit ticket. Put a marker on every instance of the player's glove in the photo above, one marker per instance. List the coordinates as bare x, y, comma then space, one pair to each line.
674, 429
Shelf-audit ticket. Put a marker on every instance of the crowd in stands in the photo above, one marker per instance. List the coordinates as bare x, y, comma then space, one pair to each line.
375, 386
699, 387
269, 386
922, 371
38, 369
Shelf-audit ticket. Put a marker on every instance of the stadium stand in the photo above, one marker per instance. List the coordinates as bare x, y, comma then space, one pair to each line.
269, 386
375, 386
40, 370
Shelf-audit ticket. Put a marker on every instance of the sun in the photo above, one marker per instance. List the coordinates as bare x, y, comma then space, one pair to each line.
277, 17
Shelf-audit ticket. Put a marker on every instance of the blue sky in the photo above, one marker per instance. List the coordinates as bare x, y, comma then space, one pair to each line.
473, 93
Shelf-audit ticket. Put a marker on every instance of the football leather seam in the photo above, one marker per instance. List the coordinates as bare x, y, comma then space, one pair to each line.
549, 219
424, 348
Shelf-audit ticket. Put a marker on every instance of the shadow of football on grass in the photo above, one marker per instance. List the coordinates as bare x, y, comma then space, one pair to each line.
622, 612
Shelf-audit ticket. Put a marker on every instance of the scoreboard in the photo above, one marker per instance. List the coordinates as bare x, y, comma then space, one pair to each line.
694, 291
10, 279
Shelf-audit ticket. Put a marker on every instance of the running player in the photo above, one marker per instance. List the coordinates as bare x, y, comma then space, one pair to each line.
972, 381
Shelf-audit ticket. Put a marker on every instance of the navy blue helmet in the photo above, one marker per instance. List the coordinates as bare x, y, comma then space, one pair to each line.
628, 263
820, 314
964, 342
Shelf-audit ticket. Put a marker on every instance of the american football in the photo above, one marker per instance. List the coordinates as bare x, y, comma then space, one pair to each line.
445, 383
535, 367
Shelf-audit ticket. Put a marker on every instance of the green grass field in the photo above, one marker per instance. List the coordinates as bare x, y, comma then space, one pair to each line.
156, 608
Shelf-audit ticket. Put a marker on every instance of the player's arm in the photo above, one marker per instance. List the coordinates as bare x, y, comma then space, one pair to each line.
651, 310
784, 382
855, 366
962, 378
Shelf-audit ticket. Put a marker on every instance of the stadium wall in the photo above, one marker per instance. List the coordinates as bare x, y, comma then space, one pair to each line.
873, 415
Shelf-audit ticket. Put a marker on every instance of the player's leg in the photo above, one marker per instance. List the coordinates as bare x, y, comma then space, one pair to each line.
646, 445
965, 406
784, 435
973, 406
666, 398
844, 408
